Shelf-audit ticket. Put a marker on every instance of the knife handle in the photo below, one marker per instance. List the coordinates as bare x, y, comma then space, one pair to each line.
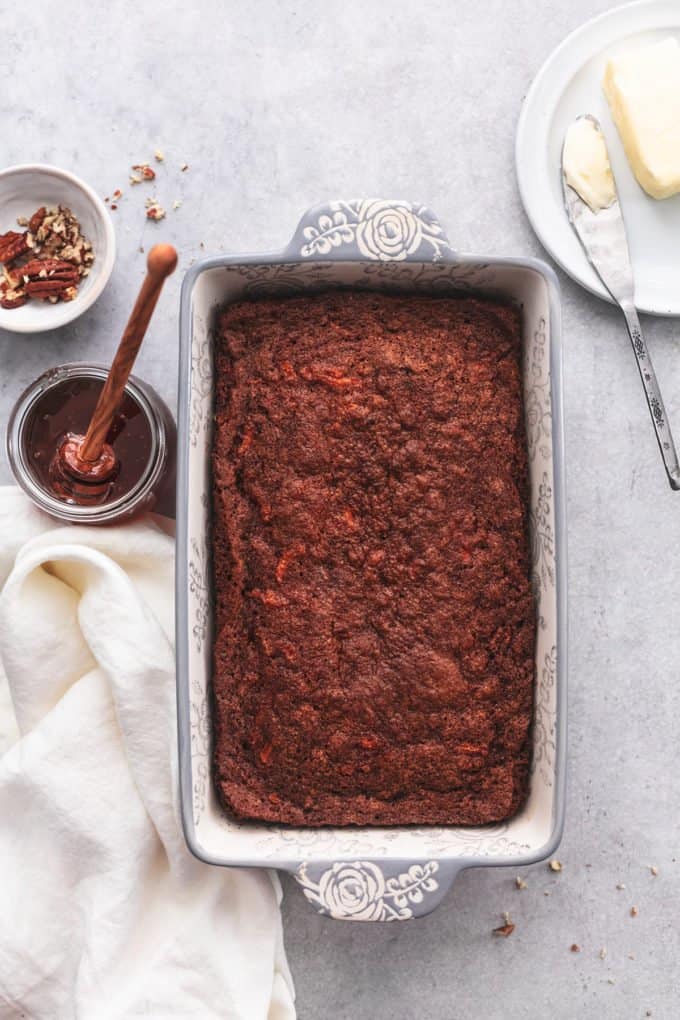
653, 393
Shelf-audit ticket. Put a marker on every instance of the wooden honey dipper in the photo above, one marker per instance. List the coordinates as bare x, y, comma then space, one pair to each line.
89, 460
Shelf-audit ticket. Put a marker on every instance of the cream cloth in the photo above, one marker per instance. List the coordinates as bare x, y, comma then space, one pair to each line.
103, 911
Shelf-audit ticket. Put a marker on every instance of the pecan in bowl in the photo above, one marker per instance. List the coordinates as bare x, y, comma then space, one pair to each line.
46, 261
48, 278
13, 245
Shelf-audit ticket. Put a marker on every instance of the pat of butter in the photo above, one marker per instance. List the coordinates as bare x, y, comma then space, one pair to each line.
586, 164
643, 91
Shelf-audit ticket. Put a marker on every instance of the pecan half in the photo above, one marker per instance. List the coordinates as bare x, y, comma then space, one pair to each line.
46, 278
12, 294
7, 301
12, 245
36, 219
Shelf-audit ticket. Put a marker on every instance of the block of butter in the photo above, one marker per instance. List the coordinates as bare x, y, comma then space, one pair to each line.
642, 87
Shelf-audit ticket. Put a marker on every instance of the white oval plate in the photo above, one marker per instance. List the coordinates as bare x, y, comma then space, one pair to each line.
568, 84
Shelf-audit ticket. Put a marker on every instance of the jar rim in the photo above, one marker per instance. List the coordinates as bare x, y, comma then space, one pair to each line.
20, 416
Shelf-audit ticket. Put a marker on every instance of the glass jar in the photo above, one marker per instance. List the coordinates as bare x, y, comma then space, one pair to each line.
153, 485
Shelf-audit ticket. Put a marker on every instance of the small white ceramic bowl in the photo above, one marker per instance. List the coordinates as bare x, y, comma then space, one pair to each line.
25, 188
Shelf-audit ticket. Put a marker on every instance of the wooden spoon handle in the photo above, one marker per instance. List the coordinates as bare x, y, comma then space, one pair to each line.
160, 264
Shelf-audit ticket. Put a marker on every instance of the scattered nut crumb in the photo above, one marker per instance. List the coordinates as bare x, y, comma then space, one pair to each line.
603, 952
504, 930
114, 206
154, 211
143, 172
620, 885
555, 865
177, 203
654, 870
631, 956
634, 911
117, 193
184, 166
520, 883
546, 892
575, 948
159, 156
611, 981
135, 179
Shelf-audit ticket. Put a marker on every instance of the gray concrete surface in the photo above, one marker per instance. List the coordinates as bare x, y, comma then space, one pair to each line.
276, 106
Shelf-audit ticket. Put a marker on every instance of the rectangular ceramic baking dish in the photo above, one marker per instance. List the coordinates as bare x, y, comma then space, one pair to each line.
371, 873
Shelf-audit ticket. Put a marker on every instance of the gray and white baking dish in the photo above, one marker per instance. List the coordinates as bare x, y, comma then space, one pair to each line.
371, 874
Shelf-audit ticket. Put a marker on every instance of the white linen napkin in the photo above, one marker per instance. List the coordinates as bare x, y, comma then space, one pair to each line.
104, 913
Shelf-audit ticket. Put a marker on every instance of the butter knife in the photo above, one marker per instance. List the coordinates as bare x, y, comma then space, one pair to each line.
603, 236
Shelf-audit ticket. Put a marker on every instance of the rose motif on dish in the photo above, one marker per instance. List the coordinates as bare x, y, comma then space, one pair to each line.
353, 890
387, 231
359, 891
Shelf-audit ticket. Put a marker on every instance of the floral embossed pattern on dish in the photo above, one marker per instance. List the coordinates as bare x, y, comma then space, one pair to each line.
385, 231
359, 890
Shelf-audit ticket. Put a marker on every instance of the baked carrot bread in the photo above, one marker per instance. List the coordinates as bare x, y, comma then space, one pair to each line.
374, 617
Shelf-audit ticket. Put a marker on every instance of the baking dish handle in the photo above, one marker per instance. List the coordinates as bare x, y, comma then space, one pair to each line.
370, 230
376, 890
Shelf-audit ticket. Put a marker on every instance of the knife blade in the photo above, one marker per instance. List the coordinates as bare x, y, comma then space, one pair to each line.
602, 234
